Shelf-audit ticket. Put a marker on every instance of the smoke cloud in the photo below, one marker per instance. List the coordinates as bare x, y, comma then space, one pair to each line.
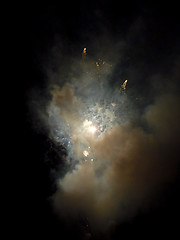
131, 143
131, 169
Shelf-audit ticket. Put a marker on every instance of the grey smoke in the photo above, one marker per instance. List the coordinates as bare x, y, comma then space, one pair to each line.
134, 163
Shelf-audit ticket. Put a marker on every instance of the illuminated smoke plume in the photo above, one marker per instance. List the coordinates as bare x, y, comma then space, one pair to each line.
116, 166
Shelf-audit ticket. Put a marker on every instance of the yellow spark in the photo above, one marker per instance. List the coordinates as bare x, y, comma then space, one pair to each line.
84, 50
123, 86
84, 53
85, 153
92, 159
97, 65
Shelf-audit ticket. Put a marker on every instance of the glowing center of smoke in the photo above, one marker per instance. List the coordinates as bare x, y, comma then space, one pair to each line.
89, 126
92, 129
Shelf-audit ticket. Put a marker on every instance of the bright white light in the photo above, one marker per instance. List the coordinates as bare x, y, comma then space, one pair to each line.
92, 129
88, 126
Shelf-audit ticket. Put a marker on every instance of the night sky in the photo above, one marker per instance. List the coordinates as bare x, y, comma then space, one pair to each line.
144, 41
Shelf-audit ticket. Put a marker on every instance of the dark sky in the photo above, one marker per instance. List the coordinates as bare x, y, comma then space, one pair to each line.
155, 47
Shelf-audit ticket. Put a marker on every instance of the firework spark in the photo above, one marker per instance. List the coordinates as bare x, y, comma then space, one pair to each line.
84, 54
85, 153
123, 86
